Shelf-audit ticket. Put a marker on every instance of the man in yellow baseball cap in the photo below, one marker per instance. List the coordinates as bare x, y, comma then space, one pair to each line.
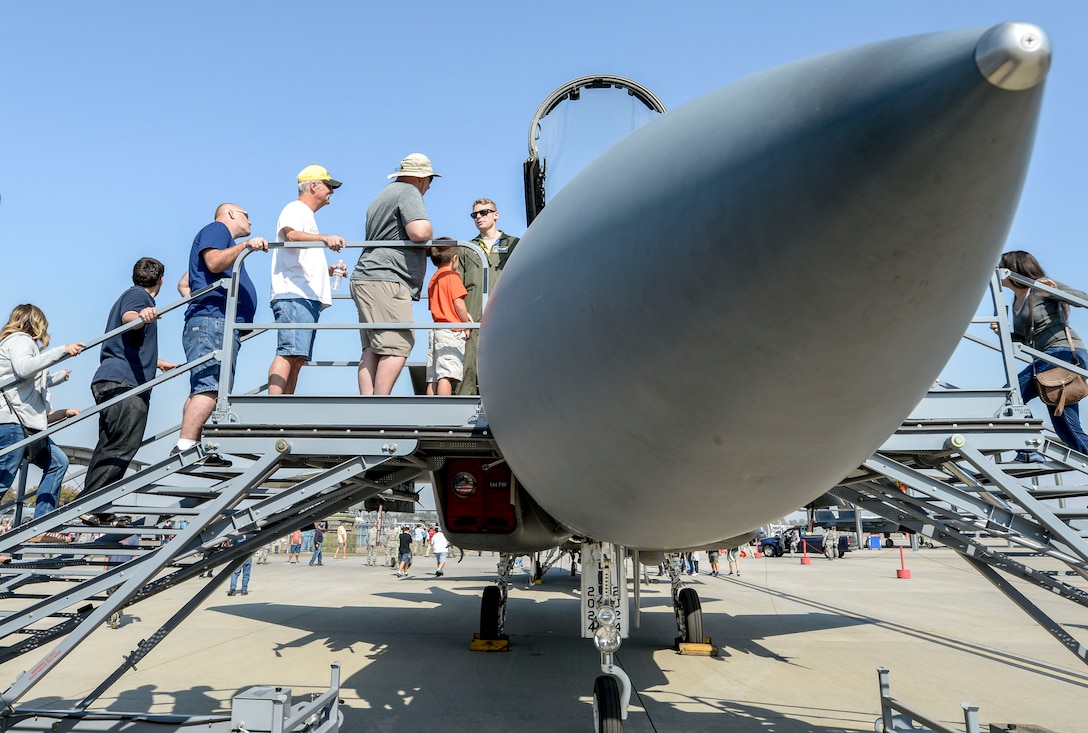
300, 276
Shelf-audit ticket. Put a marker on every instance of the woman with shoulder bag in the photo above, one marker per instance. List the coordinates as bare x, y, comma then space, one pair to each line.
1042, 322
24, 409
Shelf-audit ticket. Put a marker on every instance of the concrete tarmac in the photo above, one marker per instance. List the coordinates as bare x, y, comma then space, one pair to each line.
800, 645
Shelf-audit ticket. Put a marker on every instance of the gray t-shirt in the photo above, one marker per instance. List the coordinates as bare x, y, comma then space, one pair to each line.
1047, 317
387, 219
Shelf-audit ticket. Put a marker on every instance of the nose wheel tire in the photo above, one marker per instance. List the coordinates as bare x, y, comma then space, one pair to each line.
606, 706
692, 611
489, 613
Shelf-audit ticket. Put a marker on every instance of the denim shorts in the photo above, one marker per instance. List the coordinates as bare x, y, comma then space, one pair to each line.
203, 335
295, 342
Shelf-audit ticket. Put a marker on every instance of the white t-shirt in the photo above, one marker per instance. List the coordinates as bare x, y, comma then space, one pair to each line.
300, 273
439, 543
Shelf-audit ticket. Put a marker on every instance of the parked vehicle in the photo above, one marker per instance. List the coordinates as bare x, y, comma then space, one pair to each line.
844, 521
778, 545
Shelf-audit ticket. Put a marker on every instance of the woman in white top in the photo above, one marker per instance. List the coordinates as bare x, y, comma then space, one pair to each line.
24, 409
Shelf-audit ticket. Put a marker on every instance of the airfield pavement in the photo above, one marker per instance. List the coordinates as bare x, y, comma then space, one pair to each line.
799, 649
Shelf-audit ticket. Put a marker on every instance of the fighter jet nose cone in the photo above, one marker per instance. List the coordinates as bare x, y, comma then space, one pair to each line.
1014, 56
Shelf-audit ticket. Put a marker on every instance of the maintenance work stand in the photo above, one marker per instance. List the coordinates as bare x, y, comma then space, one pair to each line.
945, 475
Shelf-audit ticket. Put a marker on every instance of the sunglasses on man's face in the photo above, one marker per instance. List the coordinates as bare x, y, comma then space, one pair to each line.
482, 212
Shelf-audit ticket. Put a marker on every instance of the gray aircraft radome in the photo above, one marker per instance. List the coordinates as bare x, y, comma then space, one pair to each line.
734, 306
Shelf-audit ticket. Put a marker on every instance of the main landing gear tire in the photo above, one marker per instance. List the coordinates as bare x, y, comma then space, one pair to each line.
606, 706
692, 611
489, 613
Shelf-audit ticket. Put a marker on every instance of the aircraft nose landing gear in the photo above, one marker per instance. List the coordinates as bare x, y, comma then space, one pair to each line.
491, 638
604, 619
689, 613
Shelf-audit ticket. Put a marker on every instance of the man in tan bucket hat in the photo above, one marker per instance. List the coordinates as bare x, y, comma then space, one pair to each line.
386, 280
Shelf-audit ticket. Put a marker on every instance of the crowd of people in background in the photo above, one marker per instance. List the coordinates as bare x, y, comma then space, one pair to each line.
397, 547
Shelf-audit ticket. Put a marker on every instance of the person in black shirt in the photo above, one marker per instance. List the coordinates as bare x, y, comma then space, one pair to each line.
319, 537
404, 550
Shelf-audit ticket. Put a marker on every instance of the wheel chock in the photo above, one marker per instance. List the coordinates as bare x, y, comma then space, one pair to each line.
502, 644
691, 649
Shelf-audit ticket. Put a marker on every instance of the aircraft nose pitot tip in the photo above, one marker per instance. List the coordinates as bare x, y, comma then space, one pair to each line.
1014, 56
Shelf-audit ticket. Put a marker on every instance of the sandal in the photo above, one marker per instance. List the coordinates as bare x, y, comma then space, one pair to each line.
52, 538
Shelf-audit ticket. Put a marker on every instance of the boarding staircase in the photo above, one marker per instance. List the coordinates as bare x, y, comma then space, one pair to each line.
296, 460
300, 458
949, 474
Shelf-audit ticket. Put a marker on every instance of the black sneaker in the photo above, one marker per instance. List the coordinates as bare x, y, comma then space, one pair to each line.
105, 519
245, 593
230, 592
216, 460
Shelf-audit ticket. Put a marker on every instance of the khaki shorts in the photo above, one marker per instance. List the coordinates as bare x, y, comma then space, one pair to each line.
445, 355
379, 301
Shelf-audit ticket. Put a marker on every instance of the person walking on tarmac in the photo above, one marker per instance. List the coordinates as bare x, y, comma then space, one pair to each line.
341, 541
294, 547
371, 545
319, 539
831, 543
441, 547
404, 551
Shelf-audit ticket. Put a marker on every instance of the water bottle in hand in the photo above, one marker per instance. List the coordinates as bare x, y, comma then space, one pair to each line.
338, 272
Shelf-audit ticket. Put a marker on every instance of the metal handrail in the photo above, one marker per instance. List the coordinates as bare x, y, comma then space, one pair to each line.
222, 402
130, 326
1003, 273
888, 722
22, 494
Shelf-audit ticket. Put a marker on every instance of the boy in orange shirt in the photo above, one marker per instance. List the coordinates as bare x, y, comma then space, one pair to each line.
446, 299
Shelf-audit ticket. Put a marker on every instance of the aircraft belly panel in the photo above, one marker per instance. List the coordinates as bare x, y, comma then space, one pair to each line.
482, 507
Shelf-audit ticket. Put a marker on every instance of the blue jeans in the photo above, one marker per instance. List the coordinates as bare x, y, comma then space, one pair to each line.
1067, 425
10, 433
203, 335
243, 571
316, 558
53, 463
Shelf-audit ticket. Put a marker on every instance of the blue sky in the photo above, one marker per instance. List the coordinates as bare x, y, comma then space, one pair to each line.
125, 123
